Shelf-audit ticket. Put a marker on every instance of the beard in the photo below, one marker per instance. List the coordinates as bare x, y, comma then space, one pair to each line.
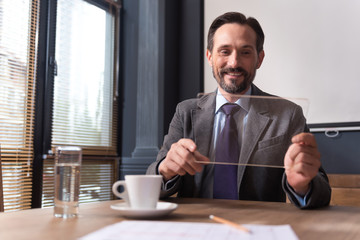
233, 87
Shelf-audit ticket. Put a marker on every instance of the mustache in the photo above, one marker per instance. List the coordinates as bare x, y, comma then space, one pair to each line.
228, 70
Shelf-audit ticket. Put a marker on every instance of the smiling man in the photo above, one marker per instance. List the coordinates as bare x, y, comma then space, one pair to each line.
261, 131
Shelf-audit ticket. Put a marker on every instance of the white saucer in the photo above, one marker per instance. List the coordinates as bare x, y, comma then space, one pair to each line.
162, 209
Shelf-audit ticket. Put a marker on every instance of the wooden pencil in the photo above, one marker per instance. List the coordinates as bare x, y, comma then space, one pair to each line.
232, 224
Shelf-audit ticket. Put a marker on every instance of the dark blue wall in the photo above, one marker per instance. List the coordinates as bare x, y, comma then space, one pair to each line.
340, 154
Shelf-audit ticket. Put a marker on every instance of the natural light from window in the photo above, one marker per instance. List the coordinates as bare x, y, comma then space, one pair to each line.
83, 85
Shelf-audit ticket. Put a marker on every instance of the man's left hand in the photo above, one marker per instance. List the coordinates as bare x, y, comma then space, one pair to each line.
302, 162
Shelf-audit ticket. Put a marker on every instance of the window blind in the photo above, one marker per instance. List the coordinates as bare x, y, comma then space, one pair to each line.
96, 179
84, 103
84, 111
18, 33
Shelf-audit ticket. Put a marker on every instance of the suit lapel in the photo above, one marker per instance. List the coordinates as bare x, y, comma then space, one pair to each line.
203, 123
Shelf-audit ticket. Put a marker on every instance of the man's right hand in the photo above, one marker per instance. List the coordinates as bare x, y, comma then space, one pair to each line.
181, 159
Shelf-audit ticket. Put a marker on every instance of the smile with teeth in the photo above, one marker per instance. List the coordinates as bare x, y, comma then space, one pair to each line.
234, 74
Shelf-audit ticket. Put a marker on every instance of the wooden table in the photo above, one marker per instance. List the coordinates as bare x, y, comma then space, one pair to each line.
334, 222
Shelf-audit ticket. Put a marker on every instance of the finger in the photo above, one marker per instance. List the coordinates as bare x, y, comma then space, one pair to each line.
305, 170
174, 163
199, 161
200, 158
192, 162
304, 159
307, 139
187, 144
173, 166
183, 157
190, 155
168, 169
306, 163
296, 149
184, 160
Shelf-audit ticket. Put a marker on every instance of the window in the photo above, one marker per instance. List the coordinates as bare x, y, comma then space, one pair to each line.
83, 87
79, 98
17, 84
84, 102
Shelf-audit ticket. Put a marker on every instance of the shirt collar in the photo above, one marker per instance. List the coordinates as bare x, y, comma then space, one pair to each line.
242, 102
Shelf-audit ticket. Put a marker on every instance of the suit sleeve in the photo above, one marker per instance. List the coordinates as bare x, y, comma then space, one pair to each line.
175, 134
320, 192
320, 189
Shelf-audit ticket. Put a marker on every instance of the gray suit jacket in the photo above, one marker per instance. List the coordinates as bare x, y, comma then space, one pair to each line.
270, 126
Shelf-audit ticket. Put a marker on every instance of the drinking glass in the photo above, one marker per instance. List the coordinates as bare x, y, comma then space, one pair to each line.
67, 181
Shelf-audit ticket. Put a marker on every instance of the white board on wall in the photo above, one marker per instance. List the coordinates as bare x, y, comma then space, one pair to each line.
312, 50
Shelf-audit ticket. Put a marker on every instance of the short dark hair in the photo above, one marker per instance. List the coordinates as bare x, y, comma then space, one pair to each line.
236, 17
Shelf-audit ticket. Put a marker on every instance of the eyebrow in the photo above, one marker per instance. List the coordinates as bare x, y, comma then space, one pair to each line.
227, 46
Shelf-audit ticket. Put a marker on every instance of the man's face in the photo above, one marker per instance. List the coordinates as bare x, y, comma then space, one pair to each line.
234, 58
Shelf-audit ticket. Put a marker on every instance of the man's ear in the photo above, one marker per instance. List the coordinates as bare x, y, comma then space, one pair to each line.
209, 57
260, 59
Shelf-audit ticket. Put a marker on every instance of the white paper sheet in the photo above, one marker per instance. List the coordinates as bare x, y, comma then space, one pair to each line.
159, 230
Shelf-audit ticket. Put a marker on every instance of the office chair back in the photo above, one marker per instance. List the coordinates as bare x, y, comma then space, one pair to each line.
345, 189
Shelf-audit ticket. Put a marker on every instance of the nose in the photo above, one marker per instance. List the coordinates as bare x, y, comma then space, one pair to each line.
233, 60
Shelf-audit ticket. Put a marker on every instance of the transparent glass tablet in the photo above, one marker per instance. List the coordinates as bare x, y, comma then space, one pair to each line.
261, 127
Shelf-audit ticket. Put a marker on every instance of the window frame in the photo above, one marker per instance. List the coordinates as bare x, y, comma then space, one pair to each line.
45, 85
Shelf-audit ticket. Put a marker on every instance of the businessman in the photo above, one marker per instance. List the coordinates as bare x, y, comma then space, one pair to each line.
227, 127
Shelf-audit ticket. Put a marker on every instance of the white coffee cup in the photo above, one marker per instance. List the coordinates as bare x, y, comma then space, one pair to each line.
139, 191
